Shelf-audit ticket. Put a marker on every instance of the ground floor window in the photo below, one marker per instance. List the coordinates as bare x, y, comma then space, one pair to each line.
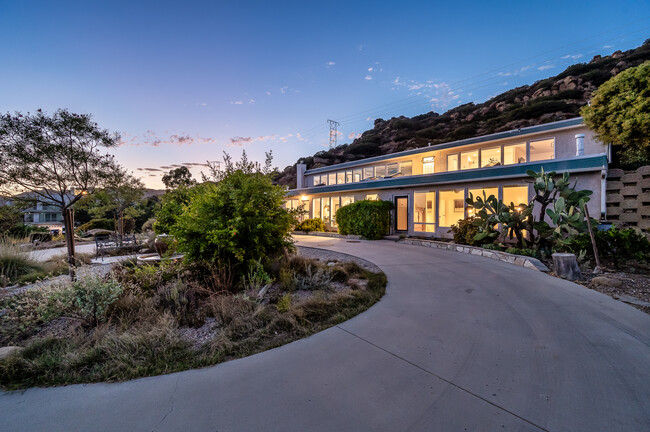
315, 208
424, 211
452, 207
372, 197
515, 194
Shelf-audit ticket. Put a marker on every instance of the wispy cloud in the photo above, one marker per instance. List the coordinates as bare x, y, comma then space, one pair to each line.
572, 56
283, 90
371, 69
608, 46
238, 102
268, 93
153, 139
545, 67
330, 64
368, 78
149, 169
353, 135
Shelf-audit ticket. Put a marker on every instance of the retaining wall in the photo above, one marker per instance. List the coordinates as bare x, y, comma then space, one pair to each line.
628, 198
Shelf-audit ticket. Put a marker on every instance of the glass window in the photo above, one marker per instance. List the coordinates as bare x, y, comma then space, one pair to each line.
424, 211
316, 180
452, 162
345, 200
427, 165
469, 160
451, 207
542, 150
380, 171
340, 177
357, 175
406, 168
514, 154
348, 176
336, 204
368, 172
479, 192
515, 194
372, 197
326, 209
315, 205
490, 157
331, 179
392, 169
29, 217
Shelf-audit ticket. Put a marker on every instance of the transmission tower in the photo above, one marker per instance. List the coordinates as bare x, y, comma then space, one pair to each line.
333, 133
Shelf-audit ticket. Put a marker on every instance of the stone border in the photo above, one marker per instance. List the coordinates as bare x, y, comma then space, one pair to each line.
328, 234
520, 260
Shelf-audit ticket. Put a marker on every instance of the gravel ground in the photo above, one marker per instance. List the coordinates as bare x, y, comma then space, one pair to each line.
82, 272
630, 288
329, 256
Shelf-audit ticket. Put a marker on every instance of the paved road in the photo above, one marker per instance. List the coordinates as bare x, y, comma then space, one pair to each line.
46, 254
458, 343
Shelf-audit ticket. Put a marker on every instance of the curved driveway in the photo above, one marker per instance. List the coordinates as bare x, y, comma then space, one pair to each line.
459, 342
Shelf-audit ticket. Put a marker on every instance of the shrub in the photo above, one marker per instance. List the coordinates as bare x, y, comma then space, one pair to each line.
87, 299
148, 225
173, 203
617, 245
526, 252
284, 304
311, 225
369, 219
237, 222
15, 263
106, 224
465, 231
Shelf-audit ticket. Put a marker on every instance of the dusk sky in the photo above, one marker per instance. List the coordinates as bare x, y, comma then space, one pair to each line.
184, 81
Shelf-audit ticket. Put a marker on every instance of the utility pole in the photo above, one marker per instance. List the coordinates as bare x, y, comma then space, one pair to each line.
333, 133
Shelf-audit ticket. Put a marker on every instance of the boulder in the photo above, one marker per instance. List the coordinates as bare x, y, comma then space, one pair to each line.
9, 350
606, 281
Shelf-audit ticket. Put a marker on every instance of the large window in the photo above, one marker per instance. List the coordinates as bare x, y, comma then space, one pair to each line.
424, 211
406, 168
345, 200
428, 165
315, 206
542, 150
340, 177
336, 204
326, 209
331, 179
348, 176
515, 194
372, 197
452, 162
451, 207
368, 172
469, 160
490, 157
357, 175
514, 154
479, 193
392, 169
380, 171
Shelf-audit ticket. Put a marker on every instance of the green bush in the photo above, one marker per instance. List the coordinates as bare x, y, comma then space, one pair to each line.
87, 299
526, 252
105, 224
173, 203
465, 231
369, 219
616, 245
311, 225
238, 222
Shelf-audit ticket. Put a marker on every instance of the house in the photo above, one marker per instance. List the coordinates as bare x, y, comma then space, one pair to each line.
38, 212
429, 185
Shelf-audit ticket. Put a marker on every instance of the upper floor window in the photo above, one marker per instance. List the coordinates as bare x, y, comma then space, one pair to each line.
490, 157
452, 162
356, 175
392, 169
340, 177
469, 160
514, 154
348, 176
380, 171
428, 165
406, 168
542, 149
331, 178
368, 172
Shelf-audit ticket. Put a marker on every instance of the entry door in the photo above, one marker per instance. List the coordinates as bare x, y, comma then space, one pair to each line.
402, 213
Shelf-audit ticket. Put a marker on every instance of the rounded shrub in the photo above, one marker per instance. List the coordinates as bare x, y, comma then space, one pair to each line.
369, 219
308, 225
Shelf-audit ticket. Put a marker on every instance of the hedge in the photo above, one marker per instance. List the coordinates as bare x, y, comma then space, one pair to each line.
369, 219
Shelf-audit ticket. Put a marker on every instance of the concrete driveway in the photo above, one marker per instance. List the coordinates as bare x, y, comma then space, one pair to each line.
458, 343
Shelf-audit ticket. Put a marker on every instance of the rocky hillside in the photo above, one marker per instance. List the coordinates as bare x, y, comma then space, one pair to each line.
556, 98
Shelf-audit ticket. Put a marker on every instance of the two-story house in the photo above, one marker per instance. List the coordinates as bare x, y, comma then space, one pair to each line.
429, 185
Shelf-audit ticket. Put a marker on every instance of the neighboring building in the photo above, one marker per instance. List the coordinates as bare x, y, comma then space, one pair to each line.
38, 212
429, 185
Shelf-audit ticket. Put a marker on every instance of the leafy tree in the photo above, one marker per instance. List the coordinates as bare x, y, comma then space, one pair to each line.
119, 197
10, 216
172, 205
178, 177
54, 158
147, 209
237, 221
620, 111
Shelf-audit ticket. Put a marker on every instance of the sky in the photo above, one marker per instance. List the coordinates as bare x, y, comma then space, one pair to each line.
183, 82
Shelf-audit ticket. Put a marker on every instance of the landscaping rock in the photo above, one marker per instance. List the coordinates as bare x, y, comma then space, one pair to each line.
606, 281
9, 350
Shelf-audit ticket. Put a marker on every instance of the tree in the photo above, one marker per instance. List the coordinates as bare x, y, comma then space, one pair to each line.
178, 177
119, 197
236, 222
10, 216
56, 159
620, 111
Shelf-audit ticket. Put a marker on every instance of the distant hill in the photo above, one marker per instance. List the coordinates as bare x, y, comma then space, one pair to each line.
556, 98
